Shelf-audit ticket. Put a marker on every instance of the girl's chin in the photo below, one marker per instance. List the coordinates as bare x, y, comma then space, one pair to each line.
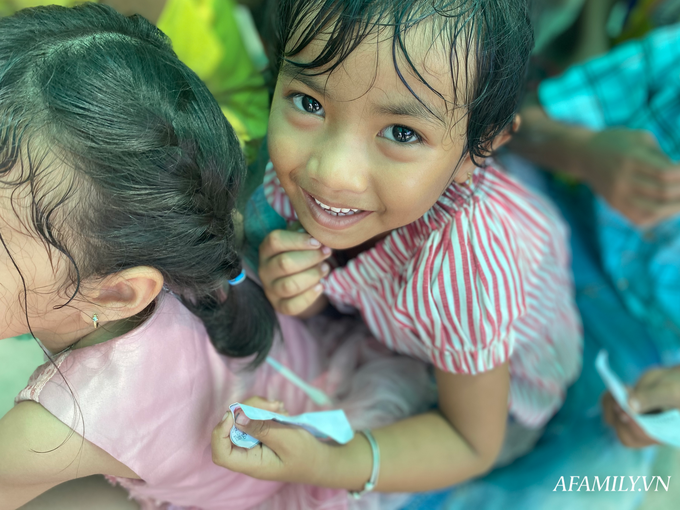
336, 241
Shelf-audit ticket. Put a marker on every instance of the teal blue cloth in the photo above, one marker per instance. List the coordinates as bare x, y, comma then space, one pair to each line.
259, 219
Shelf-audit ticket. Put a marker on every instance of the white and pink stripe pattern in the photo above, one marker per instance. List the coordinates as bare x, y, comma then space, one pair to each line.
482, 278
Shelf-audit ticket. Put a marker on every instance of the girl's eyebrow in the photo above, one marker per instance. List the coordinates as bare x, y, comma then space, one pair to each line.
290, 70
407, 108
410, 109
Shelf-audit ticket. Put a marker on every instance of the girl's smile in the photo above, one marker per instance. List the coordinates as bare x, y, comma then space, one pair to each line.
334, 217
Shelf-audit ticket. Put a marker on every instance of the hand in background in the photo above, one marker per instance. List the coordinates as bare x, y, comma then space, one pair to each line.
634, 176
629, 433
657, 390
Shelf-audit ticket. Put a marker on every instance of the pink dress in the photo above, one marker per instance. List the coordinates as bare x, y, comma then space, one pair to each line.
152, 397
481, 278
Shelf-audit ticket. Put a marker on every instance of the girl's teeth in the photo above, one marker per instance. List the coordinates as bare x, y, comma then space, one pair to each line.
337, 211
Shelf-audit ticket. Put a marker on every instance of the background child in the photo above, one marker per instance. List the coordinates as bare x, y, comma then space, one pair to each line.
118, 175
382, 114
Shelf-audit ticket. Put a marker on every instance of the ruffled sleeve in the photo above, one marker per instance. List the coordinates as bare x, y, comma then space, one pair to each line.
464, 291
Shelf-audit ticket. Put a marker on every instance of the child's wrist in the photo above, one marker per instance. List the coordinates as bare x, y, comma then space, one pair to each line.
352, 464
577, 155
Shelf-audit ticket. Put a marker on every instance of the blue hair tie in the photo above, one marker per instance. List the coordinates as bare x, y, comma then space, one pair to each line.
239, 278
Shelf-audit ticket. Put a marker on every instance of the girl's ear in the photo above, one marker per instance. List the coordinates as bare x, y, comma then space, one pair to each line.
127, 293
466, 166
507, 133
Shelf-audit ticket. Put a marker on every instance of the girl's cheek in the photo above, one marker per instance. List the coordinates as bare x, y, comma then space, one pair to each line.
288, 146
295, 119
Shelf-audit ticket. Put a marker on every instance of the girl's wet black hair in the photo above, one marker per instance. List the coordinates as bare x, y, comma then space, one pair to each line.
128, 160
488, 43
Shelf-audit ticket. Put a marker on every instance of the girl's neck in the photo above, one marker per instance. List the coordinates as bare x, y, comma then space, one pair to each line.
107, 331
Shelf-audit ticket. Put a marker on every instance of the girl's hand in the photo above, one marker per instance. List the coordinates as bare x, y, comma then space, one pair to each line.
291, 268
285, 453
657, 390
630, 434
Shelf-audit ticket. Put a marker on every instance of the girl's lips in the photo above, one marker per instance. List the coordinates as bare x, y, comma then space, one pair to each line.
329, 221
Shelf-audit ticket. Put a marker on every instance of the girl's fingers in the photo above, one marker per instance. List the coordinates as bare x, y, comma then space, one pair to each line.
632, 436
291, 286
301, 302
650, 211
626, 437
659, 191
221, 443
608, 409
280, 241
257, 461
291, 263
621, 415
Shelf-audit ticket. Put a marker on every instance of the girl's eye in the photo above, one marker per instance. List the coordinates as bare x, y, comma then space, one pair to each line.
401, 134
307, 104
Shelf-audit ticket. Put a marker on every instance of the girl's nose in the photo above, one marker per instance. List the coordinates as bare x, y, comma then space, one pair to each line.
340, 166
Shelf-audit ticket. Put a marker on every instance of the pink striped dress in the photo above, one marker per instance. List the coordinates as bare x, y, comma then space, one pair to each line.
482, 278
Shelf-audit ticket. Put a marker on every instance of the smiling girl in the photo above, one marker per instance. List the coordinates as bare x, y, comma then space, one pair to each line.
383, 118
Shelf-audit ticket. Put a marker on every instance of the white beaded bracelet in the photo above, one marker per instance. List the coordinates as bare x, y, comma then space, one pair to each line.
375, 471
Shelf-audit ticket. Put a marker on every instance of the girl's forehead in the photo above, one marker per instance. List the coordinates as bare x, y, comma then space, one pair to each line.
420, 72
20, 233
418, 51
15, 214
28, 192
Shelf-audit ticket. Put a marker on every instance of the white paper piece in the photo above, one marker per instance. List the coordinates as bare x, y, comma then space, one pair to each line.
663, 427
240, 438
323, 425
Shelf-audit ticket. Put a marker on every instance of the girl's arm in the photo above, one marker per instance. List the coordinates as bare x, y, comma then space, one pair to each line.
429, 451
37, 452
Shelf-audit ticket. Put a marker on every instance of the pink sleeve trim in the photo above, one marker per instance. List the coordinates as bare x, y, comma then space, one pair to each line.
39, 379
473, 362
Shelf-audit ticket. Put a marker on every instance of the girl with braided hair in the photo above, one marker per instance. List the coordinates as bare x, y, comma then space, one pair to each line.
118, 180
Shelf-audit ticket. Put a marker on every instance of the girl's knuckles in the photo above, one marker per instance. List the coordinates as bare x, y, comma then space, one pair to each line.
275, 240
285, 263
288, 307
290, 287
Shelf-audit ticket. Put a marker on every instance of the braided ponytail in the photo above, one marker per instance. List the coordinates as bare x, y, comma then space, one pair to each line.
154, 167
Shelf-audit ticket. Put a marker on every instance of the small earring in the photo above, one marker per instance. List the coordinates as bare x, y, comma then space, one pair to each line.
469, 179
95, 321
